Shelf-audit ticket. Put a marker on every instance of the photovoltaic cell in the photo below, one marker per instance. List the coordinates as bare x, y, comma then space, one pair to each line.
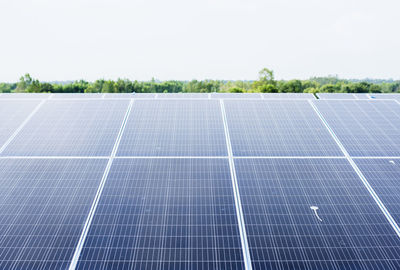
277, 128
288, 96
182, 95
174, 128
12, 115
43, 207
24, 95
165, 214
313, 214
235, 95
336, 96
365, 128
77, 95
384, 177
385, 96
71, 128
119, 95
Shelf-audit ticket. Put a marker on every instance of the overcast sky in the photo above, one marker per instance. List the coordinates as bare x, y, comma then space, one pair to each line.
186, 39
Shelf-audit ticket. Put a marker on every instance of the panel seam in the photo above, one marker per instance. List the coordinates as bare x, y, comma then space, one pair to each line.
93, 208
358, 171
236, 194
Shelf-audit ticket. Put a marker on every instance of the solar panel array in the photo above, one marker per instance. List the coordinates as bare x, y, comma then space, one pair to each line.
199, 181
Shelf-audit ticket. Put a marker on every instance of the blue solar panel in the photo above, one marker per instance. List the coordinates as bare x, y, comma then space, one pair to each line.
236, 95
165, 214
119, 95
277, 128
385, 96
12, 115
313, 214
341, 96
71, 128
43, 207
24, 96
288, 96
182, 95
77, 95
384, 177
365, 128
174, 128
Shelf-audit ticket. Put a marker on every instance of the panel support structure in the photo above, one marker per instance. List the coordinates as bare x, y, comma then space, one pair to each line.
92, 211
239, 212
359, 173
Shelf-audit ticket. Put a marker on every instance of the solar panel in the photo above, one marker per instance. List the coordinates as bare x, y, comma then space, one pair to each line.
182, 95
341, 96
235, 95
277, 128
119, 95
312, 214
165, 214
77, 95
288, 96
174, 128
366, 128
43, 207
385, 96
384, 175
71, 128
12, 115
24, 95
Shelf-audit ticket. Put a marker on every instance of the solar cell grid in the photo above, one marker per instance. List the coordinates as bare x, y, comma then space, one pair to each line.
385, 96
165, 214
12, 115
277, 128
77, 95
236, 95
288, 96
336, 96
312, 214
70, 128
174, 128
24, 96
365, 128
43, 206
182, 95
384, 175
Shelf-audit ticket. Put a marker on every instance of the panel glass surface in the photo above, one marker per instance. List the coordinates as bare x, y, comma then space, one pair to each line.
119, 95
24, 95
77, 95
336, 96
236, 95
43, 207
277, 128
165, 214
182, 95
385, 96
174, 128
71, 128
313, 214
288, 95
384, 177
365, 127
12, 115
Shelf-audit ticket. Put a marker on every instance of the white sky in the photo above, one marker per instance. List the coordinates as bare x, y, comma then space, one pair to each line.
186, 39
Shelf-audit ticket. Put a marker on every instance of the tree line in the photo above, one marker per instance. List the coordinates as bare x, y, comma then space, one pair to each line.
266, 83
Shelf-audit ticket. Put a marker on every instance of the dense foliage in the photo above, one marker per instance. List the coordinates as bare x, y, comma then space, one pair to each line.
266, 83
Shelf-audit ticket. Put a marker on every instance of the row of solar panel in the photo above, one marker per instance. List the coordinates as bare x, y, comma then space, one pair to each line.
195, 128
180, 214
160, 95
199, 95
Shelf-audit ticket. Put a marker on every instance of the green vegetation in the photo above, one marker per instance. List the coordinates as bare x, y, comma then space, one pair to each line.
266, 83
